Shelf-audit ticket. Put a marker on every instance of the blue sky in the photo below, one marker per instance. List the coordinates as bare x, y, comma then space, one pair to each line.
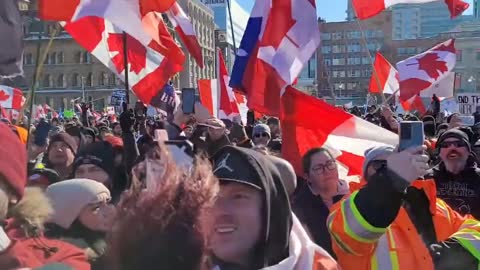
332, 10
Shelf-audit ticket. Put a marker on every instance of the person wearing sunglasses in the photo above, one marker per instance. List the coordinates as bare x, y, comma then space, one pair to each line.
261, 134
457, 176
322, 188
395, 221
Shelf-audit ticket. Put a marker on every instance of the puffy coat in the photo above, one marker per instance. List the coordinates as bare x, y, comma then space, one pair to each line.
29, 248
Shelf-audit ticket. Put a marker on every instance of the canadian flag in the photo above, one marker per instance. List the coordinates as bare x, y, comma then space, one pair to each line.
39, 112
130, 16
346, 135
183, 26
420, 72
384, 76
280, 37
369, 8
11, 98
219, 98
149, 67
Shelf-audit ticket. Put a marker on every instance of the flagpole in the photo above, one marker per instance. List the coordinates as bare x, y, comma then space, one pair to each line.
125, 63
38, 71
364, 41
231, 27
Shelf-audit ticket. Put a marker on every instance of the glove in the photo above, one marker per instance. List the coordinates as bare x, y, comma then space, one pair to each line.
410, 164
127, 119
450, 255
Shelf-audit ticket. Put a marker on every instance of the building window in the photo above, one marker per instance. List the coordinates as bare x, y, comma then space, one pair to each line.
60, 58
61, 81
89, 80
338, 49
52, 59
112, 80
326, 49
76, 80
78, 57
47, 81
87, 58
478, 55
338, 61
459, 55
28, 59
325, 36
354, 73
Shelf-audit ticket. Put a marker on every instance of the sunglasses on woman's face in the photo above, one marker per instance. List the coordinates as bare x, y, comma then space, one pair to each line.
259, 135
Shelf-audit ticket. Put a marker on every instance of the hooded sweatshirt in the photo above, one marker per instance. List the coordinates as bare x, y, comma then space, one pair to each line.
275, 246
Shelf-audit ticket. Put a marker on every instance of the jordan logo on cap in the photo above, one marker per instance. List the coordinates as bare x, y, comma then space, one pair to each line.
223, 164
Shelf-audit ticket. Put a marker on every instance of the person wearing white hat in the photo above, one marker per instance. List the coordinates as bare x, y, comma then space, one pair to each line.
82, 215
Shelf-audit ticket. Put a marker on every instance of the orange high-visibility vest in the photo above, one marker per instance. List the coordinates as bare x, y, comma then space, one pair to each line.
361, 246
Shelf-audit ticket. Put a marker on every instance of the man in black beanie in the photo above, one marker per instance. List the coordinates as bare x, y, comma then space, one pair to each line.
95, 162
457, 176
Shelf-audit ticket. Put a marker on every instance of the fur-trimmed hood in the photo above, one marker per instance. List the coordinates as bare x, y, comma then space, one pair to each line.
31, 213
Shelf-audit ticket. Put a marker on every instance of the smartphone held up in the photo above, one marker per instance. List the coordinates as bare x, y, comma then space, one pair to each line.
411, 135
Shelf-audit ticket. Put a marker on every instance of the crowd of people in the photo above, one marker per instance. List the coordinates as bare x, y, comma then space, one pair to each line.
195, 192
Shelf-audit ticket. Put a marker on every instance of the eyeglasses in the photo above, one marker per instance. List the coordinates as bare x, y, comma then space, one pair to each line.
258, 135
320, 168
454, 143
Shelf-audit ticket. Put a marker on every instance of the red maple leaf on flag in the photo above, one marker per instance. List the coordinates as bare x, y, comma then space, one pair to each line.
433, 65
3, 96
136, 55
412, 87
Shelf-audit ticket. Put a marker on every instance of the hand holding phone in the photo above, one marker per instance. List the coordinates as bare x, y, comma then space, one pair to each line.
411, 135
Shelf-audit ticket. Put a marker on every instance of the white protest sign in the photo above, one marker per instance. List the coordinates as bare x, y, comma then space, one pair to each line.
449, 105
468, 102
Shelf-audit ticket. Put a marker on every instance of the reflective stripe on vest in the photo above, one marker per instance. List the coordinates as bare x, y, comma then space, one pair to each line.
384, 258
355, 225
441, 205
470, 223
470, 240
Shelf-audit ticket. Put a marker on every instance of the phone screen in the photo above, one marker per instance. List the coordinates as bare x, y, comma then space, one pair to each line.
188, 100
411, 134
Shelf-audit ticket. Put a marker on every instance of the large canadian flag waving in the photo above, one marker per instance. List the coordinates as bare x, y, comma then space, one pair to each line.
308, 122
11, 98
128, 15
369, 8
149, 67
280, 37
420, 72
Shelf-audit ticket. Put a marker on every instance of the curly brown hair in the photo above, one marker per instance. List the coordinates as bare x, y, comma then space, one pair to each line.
165, 228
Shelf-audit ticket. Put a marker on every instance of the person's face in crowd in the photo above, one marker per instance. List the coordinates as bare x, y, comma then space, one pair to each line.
236, 223
88, 138
188, 131
275, 129
7, 197
261, 138
60, 154
93, 172
454, 154
323, 172
117, 130
455, 121
98, 216
55, 123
